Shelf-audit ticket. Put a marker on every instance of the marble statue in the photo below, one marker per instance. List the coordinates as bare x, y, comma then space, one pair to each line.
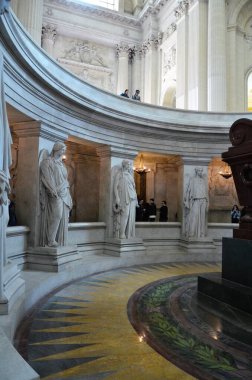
125, 201
55, 198
5, 163
196, 205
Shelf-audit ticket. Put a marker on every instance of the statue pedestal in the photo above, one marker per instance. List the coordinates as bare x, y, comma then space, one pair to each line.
234, 285
51, 259
198, 246
124, 247
13, 287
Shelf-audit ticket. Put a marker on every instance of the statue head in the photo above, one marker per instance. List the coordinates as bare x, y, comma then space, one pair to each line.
58, 149
126, 165
199, 171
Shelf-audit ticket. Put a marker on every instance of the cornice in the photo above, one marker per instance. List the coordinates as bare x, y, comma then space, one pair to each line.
94, 11
153, 7
152, 41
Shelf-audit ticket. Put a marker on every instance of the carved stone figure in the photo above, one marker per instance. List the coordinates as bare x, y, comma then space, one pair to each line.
125, 201
55, 198
196, 205
84, 52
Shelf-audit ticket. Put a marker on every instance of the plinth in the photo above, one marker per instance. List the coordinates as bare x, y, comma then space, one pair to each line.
124, 247
234, 285
51, 259
13, 287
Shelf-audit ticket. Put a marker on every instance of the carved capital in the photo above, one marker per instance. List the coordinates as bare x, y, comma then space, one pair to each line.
4, 6
125, 49
170, 30
153, 42
181, 9
49, 32
122, 49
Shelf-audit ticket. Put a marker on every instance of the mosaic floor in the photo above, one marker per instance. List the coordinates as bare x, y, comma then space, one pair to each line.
83, 331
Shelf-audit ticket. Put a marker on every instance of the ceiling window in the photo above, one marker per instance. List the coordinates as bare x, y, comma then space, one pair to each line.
110, 4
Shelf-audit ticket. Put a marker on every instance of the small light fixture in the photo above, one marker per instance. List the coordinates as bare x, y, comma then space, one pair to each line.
225, 171
64, 157
141, 338
141, 169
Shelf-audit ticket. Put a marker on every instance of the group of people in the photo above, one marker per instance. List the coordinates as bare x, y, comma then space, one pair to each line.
147, 212
136, 96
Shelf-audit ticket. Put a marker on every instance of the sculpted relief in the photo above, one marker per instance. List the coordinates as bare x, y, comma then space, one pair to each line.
92, 63
84, 51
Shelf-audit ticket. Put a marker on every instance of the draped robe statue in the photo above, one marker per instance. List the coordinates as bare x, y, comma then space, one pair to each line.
125, 201
196, 205
55, 198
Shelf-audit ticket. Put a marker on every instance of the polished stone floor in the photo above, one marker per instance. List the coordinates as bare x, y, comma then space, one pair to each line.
97, 328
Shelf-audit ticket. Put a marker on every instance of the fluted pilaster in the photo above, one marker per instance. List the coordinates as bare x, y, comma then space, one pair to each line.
30, 13
123, 67
197, 56
48, 38
217, 92
181, 14
14, 6
137, 74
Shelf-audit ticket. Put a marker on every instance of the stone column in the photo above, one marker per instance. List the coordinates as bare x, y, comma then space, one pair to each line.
137, 81
123, 67
48, 38
30, 13
32, 137
240, 91
14, 6
197, 56
181, 13
151, 75
235, 70
217, 81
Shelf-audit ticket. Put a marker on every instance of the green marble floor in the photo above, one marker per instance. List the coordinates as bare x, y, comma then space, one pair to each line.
83, 331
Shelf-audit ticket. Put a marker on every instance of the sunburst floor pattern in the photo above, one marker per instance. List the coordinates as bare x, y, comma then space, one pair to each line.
83, 332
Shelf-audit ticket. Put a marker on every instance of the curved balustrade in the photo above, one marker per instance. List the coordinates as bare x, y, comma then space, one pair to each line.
39, 87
